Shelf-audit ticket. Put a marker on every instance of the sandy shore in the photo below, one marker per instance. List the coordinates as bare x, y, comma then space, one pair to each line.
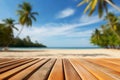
63, 53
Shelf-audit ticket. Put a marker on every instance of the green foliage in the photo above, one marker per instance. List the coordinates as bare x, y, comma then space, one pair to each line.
6, 35
106, 37
9, 22
100, 5
25, 14
25, 42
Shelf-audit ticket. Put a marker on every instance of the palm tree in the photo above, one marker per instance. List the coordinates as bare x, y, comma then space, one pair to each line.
101, 38
112, 22
96, 36
9, 25
26, 15
101, 4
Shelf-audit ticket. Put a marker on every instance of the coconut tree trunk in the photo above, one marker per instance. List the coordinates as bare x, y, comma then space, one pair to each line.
7, 44
113, 5
6, 47
19, 32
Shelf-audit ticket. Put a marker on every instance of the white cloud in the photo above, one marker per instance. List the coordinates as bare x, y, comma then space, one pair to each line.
52, 30
95, 18
113, 10
56, 29
1, 21
81, 34
65, 13
44, 34
90, 19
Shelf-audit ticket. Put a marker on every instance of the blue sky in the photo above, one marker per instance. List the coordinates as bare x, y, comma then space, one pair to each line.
60, 22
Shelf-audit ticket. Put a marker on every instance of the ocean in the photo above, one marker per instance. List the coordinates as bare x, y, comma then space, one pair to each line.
29, 48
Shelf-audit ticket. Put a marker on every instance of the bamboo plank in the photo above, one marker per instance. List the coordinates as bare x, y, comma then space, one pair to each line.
106, 64
70, 73
14, 71
7, 61
57, 71
113, 61
83, 72
98, 72
43, 72
14, 65
60, 69
23, 74
4, 60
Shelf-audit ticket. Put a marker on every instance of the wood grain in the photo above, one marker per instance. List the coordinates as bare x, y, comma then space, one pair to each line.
60, 69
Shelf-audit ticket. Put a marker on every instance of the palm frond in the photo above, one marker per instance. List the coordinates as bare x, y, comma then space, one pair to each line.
100, 8
20, 12
83, 2
35, 13
33, 17
88, 7
93, 6
15, 28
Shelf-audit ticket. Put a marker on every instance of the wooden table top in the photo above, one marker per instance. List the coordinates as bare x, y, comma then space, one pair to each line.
59, 69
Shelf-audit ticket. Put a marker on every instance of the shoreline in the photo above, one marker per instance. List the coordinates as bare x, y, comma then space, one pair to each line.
62, 53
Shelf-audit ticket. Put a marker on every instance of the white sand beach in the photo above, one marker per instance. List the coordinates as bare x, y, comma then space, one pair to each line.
63, 53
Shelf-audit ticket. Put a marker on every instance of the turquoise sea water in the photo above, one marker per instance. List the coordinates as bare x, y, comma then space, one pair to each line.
54, 48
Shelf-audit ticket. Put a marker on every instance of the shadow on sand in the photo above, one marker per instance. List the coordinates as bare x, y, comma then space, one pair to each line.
79, 55
85, 55
24, 51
